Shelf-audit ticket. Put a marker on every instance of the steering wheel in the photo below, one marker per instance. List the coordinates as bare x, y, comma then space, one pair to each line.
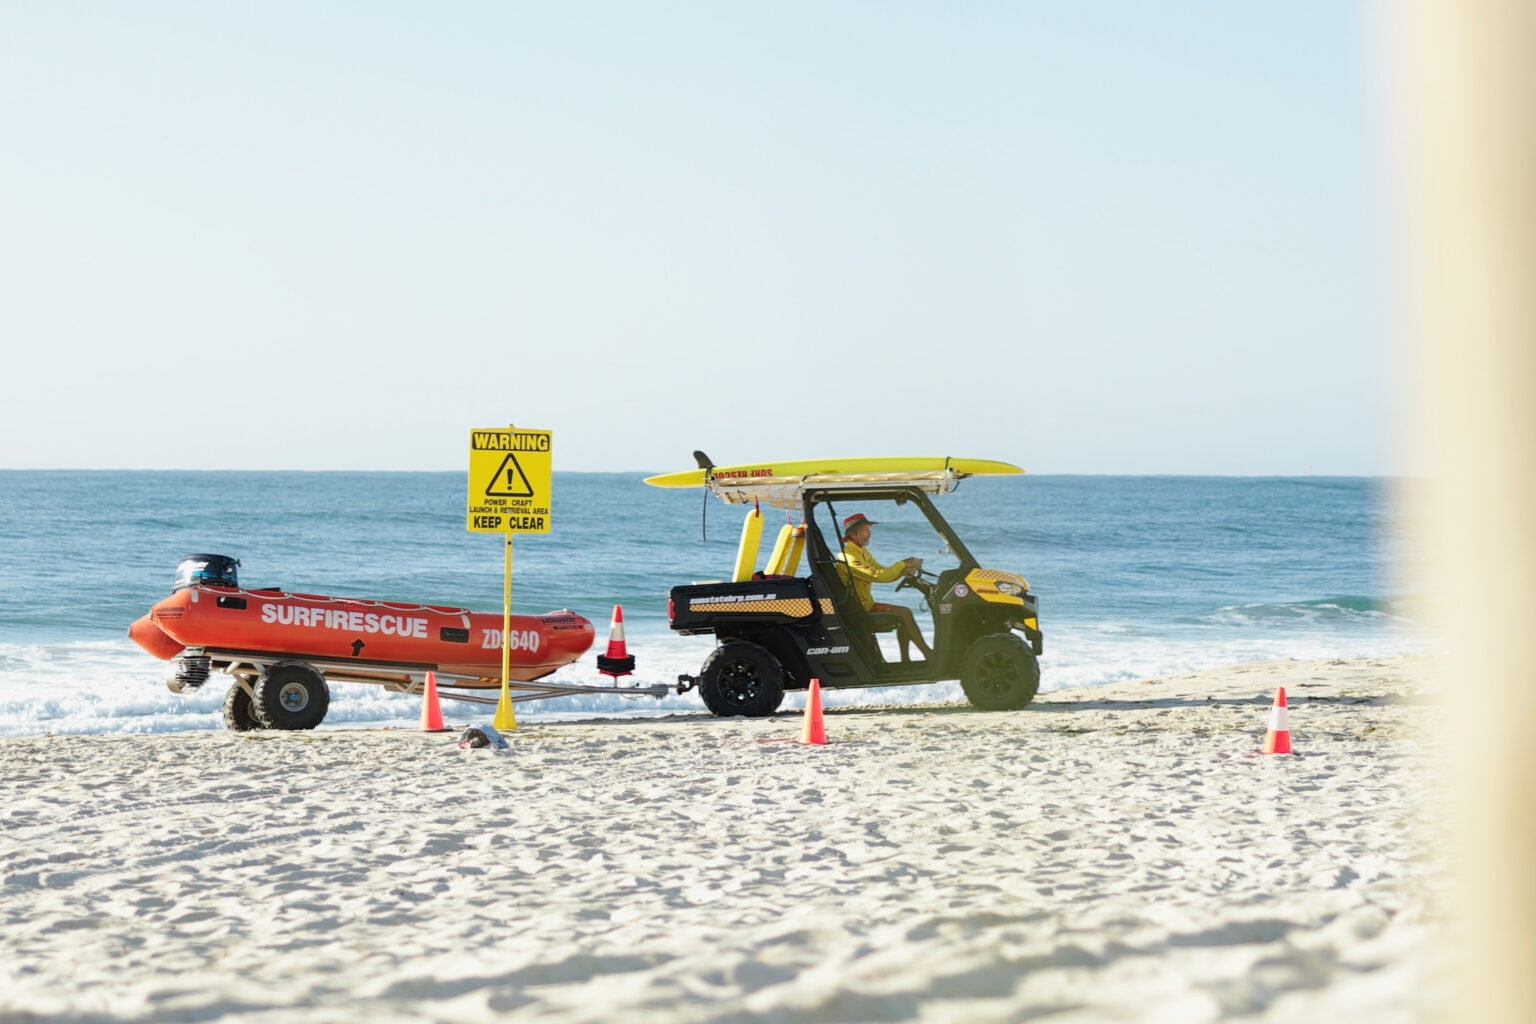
917, 582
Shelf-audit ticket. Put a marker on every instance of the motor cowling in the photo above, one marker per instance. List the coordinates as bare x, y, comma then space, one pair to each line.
206, 570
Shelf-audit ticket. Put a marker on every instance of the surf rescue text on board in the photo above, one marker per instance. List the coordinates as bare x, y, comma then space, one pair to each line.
340, 618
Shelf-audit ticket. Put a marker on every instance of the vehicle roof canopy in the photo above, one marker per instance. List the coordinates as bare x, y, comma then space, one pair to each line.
783, 484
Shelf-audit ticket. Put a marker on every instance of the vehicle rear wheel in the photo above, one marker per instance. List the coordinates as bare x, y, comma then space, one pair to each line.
291, 695
239, 715
1000, 673
741, 678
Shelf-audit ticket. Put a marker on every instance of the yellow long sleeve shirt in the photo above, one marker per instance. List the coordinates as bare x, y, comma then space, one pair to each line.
865, 570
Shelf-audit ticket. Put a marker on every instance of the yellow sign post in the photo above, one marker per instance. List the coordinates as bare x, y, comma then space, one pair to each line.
509, 484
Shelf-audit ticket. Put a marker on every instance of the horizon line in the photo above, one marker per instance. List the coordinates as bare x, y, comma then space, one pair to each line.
614, 472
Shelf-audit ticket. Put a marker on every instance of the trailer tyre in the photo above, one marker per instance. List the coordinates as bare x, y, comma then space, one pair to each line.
291, 695
741, 678
239, 714
1000, 673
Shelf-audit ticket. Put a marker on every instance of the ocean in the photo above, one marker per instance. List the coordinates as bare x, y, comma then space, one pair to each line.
1137, 576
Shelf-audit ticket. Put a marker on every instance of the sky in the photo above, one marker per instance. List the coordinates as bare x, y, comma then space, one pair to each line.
1081, 237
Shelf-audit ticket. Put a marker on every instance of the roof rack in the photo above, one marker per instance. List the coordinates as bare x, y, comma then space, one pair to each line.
789, 491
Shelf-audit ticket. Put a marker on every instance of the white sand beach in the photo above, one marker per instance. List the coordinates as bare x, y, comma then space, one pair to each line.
1118, 853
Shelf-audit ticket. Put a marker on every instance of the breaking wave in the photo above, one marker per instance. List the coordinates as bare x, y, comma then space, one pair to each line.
1320, 611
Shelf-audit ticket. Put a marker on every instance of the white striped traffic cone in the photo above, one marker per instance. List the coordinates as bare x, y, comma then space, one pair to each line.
618, 661
1278, 739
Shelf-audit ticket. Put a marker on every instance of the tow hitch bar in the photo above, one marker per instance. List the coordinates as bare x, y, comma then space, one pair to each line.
686, 682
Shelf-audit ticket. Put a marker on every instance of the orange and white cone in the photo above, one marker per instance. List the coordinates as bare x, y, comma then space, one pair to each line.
618, 661
814, 731
1278, 739
431, 710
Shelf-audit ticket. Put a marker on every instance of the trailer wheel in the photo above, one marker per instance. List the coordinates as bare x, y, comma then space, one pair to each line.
291, 695
239, 715
1000, 673
740, 678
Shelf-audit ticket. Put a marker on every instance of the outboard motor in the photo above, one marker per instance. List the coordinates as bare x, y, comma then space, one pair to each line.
189, 671
206, 570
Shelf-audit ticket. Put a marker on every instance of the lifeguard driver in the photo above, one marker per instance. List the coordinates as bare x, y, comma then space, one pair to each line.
865, 570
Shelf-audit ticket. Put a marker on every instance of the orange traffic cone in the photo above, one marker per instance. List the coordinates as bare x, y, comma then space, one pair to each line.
815, 730
431, 710
618, 661
1278, 739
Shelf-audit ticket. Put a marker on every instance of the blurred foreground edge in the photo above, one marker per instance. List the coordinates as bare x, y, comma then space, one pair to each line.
1465, 99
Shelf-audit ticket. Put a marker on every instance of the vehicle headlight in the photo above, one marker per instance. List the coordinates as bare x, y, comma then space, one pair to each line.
1010, 588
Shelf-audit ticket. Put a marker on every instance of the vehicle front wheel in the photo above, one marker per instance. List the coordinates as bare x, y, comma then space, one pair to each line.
1000, 673
291, 695
239, 715
741, 678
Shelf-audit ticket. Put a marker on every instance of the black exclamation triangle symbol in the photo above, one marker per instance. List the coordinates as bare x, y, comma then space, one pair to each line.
516, 485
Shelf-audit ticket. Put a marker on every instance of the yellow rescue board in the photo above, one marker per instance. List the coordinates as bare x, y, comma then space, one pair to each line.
826, 470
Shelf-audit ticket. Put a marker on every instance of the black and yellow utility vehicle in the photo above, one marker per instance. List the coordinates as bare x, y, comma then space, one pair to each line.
780, 627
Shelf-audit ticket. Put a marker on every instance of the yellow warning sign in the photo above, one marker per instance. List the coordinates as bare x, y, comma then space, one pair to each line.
509, 480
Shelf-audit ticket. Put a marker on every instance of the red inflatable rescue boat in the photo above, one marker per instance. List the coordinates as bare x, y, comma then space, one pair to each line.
281, 647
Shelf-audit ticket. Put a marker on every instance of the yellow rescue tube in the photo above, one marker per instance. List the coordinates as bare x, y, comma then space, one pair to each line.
751, 538
780, 556
796, 549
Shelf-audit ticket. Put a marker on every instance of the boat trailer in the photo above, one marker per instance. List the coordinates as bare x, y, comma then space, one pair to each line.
192, 667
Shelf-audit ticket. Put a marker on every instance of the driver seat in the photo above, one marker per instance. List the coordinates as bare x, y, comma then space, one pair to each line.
862, 624
879, 622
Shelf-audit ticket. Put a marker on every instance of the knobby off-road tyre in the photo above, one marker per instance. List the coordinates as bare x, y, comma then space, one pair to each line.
741, 678
239, 715
1000, 673
291, 695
